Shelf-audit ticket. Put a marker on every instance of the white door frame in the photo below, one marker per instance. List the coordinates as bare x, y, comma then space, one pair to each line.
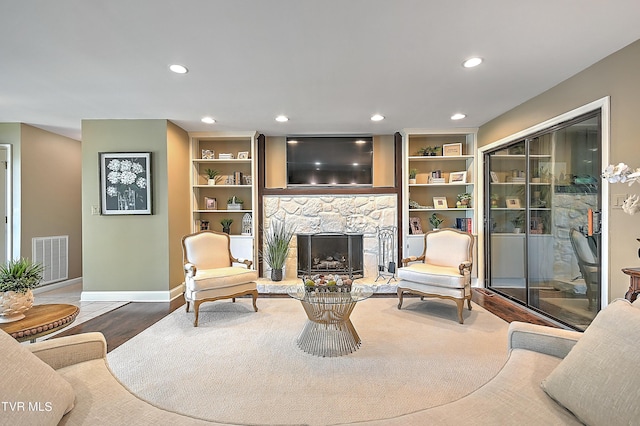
603, 104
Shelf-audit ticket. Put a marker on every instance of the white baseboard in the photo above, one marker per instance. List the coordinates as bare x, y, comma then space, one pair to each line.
54, 286
132, 296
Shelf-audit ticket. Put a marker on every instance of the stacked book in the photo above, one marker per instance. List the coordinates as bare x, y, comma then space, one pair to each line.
464, 224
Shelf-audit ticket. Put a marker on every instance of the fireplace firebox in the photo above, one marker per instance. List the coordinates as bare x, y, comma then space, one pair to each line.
330, 253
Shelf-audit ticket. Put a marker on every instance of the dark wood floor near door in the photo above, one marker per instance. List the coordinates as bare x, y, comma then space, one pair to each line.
123, 323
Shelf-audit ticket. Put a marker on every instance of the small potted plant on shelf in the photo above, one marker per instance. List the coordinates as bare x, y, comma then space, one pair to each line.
276, 248
234, 203
429, 151
212, 175
463, 200
494, 200
412, 176
435, 222
17, 279
517, 223
226, 225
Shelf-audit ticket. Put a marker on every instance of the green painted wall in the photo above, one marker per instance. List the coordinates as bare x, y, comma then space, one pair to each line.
132, 253
616, 76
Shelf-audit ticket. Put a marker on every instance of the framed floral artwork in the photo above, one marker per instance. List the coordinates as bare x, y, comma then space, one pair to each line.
125, 183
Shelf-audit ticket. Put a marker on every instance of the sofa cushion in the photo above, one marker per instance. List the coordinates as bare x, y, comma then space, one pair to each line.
442, 276
599, 379
31, 392
220, 278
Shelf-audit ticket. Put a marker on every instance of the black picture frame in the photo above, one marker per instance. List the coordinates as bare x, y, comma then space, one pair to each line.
125, 183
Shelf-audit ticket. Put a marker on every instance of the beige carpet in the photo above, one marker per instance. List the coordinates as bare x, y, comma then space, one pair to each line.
244, 367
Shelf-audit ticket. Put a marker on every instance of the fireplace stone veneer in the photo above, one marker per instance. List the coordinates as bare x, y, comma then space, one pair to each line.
340, 214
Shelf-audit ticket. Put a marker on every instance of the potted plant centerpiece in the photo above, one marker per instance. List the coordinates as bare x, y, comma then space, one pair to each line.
234, 203
213, 176
226, 225
276, 248
435, 222
517, 223
412, 176
17, 278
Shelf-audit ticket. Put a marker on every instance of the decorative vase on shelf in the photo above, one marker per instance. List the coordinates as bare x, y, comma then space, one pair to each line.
226, 229
211, 182
412, 181
13, 305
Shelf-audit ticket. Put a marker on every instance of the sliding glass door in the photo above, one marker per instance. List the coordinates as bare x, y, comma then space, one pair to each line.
542, 221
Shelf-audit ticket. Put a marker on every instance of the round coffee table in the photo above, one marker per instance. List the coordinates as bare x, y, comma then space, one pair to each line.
328, 331
41, 320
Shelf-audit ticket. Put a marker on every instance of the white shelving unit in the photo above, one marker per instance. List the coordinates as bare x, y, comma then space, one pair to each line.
423, 191
243, 244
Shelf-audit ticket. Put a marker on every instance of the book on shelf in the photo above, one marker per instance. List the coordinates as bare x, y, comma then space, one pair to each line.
464, 224
237, 178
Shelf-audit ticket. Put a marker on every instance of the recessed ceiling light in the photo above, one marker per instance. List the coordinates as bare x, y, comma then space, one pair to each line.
458, 116
377, 117
292, 142
178, 69
282, 118
359, 142
472, 62
208, 120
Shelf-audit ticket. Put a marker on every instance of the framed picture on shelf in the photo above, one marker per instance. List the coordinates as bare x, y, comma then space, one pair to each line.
125, 183
243, 155
458, 177
440, 203
494, 177
210, 203
451, 149
513, 203
415, 226
208, 154
247, 180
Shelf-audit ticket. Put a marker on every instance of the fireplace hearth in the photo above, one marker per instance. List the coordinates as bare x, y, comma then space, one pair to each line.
330, 253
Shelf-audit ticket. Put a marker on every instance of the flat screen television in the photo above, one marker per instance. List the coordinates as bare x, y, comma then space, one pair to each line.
330, 161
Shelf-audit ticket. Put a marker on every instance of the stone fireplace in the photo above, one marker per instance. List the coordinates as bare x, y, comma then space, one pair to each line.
333, 214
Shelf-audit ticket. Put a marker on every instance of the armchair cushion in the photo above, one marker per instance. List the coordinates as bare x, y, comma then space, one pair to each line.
442, 276
31, 392
598, 380
229, 276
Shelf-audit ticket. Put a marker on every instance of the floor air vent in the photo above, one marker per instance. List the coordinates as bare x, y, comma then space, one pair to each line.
53, 253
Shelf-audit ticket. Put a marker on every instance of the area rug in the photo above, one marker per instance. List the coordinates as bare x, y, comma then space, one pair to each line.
243, 367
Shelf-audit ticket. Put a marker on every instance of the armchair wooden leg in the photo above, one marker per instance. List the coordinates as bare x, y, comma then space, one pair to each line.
469, 302
400, 296
460, 303
254, 294
196, 308
187, 304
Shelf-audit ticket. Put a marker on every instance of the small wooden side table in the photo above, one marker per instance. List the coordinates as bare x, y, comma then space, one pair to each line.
41, 320
634, 285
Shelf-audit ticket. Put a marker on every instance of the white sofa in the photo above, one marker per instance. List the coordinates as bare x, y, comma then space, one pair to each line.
593, 374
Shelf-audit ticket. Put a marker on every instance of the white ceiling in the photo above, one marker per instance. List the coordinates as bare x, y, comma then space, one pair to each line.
328, 65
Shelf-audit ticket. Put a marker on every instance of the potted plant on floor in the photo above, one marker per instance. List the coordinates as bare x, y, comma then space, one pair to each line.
276, 248
17, 278
212, 175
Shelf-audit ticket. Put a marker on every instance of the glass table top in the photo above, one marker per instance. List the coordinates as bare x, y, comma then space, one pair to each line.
357, 293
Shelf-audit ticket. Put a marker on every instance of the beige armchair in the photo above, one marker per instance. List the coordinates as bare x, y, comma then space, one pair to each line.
443, 270
209, 271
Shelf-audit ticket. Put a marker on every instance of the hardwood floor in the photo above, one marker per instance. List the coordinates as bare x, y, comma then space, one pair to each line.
123, 323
